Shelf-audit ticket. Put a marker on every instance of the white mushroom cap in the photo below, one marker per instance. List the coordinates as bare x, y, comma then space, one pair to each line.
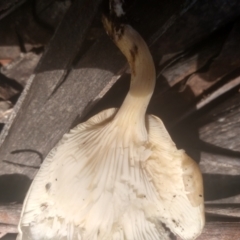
118, 175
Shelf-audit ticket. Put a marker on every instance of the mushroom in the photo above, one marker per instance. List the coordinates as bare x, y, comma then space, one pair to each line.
118, 175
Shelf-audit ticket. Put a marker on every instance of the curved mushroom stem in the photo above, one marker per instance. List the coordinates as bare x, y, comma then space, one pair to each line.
143, 73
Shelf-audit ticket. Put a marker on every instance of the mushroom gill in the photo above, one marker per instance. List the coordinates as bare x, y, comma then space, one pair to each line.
118, 175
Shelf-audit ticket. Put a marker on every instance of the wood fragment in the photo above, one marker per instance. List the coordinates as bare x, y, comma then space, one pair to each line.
21, 68
207, 100
221, 231
224, 210
219, 92
190, 63
188, 30
10, 214
221, 127
9, 7
9, 217
41, 96
6, 228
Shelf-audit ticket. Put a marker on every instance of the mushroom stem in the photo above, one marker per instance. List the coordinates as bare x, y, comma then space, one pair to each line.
143, 73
